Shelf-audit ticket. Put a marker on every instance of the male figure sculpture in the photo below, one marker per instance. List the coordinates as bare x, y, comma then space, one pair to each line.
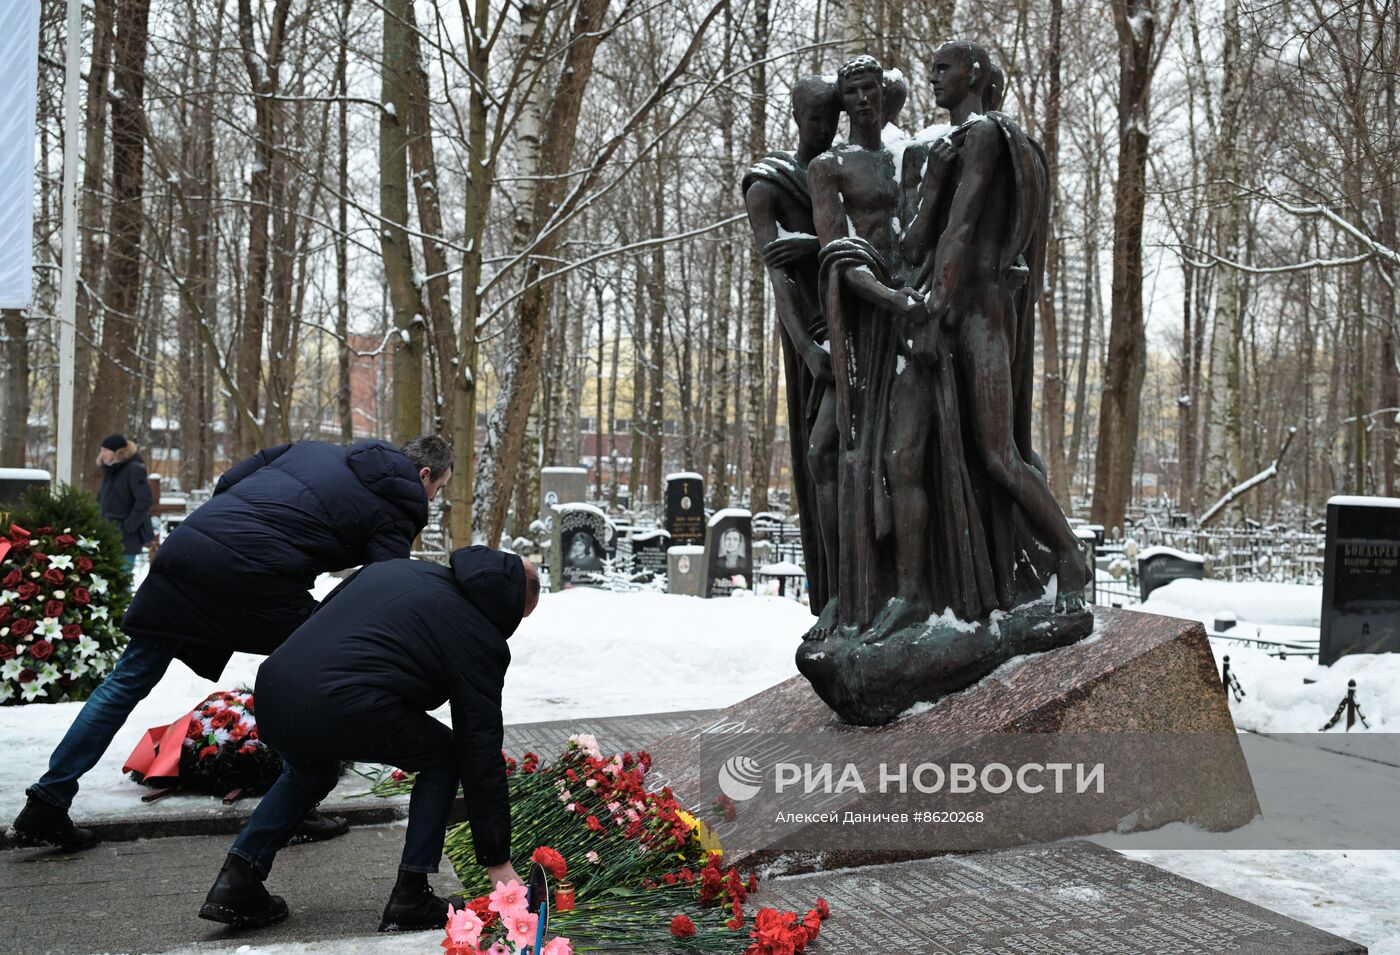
779, 203
995, 208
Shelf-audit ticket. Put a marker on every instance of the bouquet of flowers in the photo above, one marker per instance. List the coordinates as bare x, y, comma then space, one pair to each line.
221, 751
63, 590
645, 874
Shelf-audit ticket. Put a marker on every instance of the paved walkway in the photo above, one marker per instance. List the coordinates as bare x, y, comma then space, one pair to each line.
144, 896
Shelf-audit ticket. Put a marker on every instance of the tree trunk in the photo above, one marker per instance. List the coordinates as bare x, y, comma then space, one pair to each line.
393, 210
91, 214
112, 394
1121, 404
1053, 393
760, 456
344, 410
14, 397
505, 436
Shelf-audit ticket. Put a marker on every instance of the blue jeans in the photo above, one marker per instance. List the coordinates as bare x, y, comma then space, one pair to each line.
131, 680
306, 781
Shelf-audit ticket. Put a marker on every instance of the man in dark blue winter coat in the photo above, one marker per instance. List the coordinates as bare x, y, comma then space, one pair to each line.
234, 576
125, 494
357, 682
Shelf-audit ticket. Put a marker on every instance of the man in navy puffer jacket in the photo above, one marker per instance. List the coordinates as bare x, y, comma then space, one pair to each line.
234, 576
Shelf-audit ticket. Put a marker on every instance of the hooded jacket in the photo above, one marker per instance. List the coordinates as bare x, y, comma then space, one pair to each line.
125, 498
234, 575
417, 633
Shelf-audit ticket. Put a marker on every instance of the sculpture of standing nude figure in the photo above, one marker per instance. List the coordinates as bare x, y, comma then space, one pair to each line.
950, 555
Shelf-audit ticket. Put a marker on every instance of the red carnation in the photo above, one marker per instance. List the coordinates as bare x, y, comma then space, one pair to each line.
5, 614
823, 909
22, 626
41, 650
72, 631
54, 608
552, 861
64, 541
27, 675
594, 824
12, 579
54, 576
84, 565
208, 751
7, 652
482, 907
81, 597
682, 927
27, 590
221, 719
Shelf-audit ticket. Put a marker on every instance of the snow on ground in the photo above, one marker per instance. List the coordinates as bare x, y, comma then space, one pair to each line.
581, 653
1277, 700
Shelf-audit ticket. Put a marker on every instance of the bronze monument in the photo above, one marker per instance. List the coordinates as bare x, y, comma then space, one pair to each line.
905, 273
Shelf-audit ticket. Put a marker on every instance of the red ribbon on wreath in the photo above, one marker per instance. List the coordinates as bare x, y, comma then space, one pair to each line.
153, 758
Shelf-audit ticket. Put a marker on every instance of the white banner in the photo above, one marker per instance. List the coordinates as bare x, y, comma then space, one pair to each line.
19, 65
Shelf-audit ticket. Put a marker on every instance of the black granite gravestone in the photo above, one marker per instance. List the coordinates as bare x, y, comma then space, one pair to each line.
15, 481
1070, 898
1361, 577
728, 552
1159, 566
649, 550
580, 545
685, 508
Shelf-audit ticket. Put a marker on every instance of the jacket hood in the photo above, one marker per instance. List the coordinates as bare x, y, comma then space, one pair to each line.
388, 473
128, 453
494, 582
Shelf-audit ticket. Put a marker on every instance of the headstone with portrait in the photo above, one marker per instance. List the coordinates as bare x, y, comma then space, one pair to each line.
685, 570
685, 507
581, 537
728, 552
1361, 578
560, 485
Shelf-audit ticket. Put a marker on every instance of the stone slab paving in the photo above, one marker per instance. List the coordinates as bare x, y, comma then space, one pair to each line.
184, 814
144, 896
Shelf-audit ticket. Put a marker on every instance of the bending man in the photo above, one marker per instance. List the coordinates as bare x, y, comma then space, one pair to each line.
233, 577
356, 682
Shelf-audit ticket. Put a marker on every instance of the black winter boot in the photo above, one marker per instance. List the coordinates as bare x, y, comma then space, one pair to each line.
238, 898
413, 907
43, 824
318, 827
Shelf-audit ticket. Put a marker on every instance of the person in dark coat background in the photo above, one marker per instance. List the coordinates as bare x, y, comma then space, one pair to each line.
356, 682
233, 577
125, 495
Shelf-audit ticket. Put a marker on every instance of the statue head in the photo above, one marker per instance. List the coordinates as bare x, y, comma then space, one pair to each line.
961, 69
817, 110
861, 84
896, 94
996, 89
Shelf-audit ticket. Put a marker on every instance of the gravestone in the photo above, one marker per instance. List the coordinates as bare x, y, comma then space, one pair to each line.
579, 546
649, 550
728, 552
685, 570
560, 486
685, 507
1361, 578
14, 482
1159, 566
1072, 898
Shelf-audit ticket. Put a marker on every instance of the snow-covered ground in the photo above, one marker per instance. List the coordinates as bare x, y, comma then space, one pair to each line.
591, 653
1277, 698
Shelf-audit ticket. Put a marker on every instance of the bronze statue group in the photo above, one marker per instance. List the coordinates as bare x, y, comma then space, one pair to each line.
905, 272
